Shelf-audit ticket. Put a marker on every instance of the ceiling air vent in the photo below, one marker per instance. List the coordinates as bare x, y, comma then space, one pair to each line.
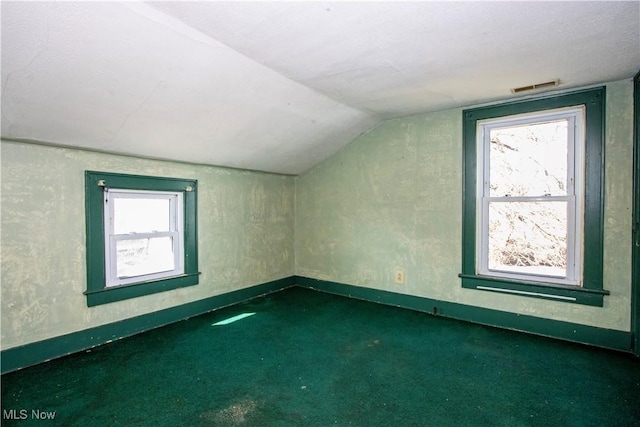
536, 86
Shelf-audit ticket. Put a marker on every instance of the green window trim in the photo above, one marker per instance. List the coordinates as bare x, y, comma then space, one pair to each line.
591, 292
97, 293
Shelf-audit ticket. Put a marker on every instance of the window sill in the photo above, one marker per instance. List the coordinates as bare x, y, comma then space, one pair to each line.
133, 290
548, 291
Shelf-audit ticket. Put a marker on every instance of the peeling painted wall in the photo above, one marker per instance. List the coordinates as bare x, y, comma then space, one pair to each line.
393, 199
245, 231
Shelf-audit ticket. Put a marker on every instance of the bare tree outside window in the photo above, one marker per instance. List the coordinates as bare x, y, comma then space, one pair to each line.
532, 198
528, 228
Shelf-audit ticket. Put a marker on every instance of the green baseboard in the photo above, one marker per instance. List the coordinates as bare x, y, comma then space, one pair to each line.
41, 351
31, 354
600, 337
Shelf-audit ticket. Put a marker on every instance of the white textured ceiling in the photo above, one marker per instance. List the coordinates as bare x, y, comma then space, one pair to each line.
279, 86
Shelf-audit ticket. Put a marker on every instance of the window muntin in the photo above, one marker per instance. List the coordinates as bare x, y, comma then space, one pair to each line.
143, 235
529, 193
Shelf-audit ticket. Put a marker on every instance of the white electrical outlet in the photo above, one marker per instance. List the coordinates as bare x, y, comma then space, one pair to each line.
399, 276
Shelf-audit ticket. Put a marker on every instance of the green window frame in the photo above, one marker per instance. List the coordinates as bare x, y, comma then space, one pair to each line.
591, 291
96, 183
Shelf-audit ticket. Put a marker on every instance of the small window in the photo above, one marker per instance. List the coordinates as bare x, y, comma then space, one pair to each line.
141, 235
532, 199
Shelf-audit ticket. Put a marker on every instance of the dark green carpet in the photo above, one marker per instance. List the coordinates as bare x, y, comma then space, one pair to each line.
309, 358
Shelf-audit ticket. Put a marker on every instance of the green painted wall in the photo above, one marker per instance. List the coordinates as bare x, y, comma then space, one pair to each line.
245, 227
393, 199
390, 199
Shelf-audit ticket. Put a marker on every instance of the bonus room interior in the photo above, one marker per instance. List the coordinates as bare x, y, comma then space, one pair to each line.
367, 195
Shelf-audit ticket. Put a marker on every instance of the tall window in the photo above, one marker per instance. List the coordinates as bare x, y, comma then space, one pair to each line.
529, 192
532, 200
141, 235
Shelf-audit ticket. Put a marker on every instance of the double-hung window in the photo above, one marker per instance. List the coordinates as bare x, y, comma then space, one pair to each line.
533, 198
141, 235
529, 196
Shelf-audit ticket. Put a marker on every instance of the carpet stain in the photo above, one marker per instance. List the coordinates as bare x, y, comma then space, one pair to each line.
236, 414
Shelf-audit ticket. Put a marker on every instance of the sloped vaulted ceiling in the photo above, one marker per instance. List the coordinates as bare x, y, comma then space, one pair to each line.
279, 86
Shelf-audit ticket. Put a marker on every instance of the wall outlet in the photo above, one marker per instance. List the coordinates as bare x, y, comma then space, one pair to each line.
399, 276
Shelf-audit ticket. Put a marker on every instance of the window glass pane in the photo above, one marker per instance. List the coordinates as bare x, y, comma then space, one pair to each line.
529, 160
528, 237
136, 257
143, 215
